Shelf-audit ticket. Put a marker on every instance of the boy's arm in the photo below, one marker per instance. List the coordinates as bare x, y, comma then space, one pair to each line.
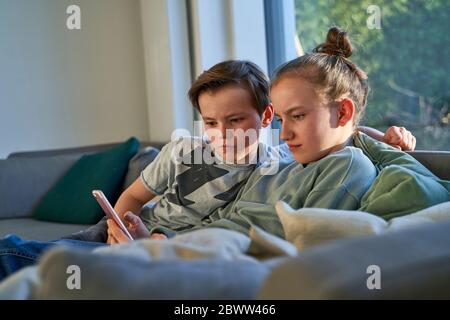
133, 198
397, 137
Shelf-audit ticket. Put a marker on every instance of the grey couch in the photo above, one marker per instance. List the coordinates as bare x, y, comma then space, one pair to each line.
414, 263
26, 176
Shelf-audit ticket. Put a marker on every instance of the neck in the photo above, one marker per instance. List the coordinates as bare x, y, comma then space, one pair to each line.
344, 139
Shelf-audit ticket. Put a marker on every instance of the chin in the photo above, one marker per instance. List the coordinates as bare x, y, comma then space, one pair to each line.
305, 159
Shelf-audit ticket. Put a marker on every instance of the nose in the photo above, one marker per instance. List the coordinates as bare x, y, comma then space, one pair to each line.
226, 132
223, 130
286, 134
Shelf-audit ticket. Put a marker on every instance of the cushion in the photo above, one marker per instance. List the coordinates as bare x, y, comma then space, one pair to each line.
70, 199
403, 185
138, 163
308, 227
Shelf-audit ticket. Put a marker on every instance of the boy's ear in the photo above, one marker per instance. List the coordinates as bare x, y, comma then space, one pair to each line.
346, 111
267, 115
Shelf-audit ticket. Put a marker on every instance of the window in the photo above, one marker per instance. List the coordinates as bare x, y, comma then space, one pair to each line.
404, 46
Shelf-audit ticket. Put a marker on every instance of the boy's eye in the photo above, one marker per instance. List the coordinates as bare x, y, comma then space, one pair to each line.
300, 116
210, 123
235, 120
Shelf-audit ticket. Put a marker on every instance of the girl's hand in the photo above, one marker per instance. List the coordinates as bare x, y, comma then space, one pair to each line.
400, 138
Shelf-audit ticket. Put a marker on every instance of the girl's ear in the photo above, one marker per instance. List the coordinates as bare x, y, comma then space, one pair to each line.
267, 115
346, 111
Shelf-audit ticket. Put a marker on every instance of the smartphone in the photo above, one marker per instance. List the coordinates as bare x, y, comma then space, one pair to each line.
109, 211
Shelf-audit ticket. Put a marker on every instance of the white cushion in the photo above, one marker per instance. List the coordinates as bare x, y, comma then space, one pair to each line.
308, 227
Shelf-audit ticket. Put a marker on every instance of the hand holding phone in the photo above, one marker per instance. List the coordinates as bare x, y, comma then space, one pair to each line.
109, 211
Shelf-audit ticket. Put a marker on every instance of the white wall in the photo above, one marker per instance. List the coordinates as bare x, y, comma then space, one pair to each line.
62, 88
228, 29
167, 65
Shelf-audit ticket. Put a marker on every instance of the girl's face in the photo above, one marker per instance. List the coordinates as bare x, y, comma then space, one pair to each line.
309, 126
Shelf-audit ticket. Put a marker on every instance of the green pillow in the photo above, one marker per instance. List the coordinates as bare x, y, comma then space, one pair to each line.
70, 200
403, 185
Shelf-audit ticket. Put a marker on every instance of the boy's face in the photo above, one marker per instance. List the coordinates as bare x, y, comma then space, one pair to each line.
308, 125
231, 121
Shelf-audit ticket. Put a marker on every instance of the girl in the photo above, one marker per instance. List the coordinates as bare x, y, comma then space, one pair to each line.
319, 99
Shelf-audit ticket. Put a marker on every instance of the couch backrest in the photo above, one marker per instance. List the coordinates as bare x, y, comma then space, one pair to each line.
25, 177
437, 162
75, 151
22, 192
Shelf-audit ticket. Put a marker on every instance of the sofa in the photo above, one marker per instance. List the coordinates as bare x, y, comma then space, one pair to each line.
25, 177
414, 262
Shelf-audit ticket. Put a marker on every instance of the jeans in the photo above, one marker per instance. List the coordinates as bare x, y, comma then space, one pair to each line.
16, 253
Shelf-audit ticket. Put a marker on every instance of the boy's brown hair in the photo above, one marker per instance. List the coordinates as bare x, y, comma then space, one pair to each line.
244, 74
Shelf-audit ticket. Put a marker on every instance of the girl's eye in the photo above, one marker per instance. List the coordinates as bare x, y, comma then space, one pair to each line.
278, 119
300, 116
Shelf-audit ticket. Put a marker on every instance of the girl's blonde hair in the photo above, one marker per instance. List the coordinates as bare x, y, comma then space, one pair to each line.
330, 70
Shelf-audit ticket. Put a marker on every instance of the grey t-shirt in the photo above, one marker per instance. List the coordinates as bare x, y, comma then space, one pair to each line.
193, 182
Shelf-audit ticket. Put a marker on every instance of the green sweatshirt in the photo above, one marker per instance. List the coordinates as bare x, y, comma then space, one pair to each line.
338, 181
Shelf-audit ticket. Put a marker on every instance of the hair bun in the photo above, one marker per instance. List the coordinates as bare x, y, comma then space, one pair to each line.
337, 43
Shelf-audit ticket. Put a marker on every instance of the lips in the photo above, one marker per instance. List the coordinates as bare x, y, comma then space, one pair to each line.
294, 147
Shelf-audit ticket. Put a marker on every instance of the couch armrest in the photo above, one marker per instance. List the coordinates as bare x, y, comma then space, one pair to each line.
23, 182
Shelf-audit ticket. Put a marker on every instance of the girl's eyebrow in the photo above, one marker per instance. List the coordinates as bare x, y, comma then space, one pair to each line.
296, 108
293, 109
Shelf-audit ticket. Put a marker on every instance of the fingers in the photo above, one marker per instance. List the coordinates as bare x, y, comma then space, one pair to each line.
403, 143
408, 142
136, 226
111, 240
131, 218
116, 233
413, 146
400, 138
393, 135
158, 236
